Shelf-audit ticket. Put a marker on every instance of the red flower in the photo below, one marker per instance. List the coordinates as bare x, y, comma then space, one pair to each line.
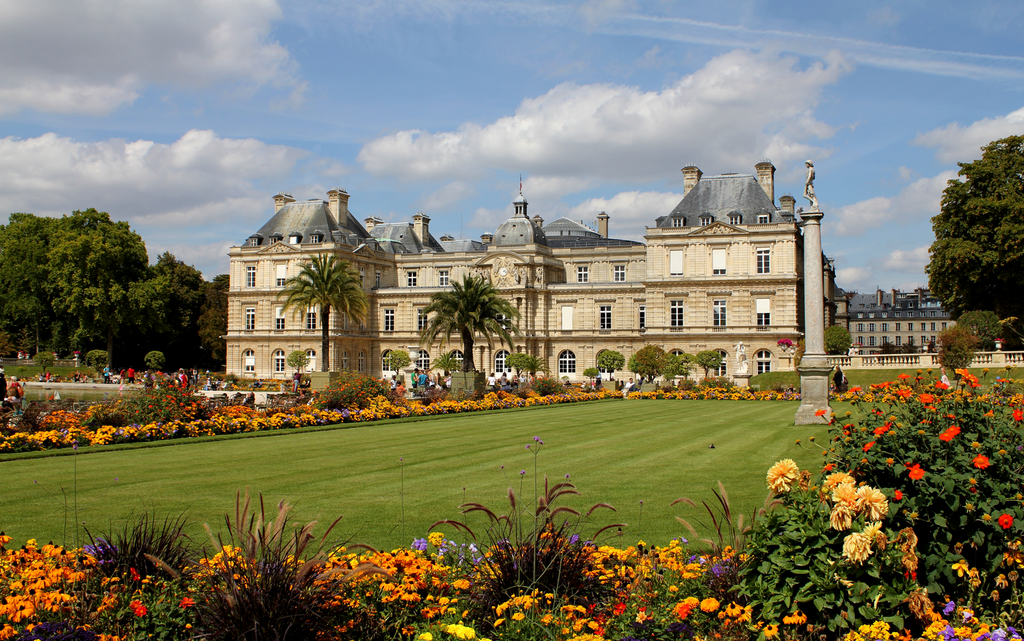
903, 376
980, 461
138, 609
948, 435
927, 399
898, 495
1006, 521
829, 467
855, 389
905, 393
821, 412
1018, 415
916, 473
187, 603
881, 430
135, 574
868, 446
941, 386
619, 608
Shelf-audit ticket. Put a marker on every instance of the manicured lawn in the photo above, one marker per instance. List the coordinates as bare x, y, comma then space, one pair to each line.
619, 452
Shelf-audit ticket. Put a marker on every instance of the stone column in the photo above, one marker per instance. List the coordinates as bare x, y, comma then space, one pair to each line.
814, 368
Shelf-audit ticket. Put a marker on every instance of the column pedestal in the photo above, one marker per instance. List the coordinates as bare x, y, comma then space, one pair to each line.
814, 376
814, 368
742, 380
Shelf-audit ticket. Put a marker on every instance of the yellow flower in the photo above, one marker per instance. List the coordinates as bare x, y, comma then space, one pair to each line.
845, 494
782, 475
797, 618
836, 479
426, 636
841, 518
872, 503
857, 547
709, 605
961, 567
771, 631
436, 539
518, 616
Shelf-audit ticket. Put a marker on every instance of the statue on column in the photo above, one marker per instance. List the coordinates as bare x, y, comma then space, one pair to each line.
809, 186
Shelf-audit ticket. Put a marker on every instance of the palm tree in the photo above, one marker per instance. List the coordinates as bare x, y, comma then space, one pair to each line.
471, 307
327, 283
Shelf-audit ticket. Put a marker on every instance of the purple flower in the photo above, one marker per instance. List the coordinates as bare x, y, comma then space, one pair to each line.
522, 472
536, 438
566, 476
419, 545
949, 608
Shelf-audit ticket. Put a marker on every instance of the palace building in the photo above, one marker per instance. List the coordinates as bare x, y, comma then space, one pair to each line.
724, 267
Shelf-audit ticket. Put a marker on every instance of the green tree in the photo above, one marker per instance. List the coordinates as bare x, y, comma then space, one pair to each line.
978, 254
522, 362
591, 372
709, 359
396, 359
611, 361
298, 360
213, 317
183, 289
44, 359
98, 276
24, 272
96, 359
647, 362
446, 362
471, 307
6, 344
837, 340
155, 360
956, 347
677, 365
984, 325
326, 283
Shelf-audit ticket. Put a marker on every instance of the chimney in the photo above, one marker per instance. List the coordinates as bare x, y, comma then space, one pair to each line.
691, 176
338, 204
894, 292
282, 199
538, 222
487, 239
766, 178
602, 224
878, 298
421, 227
371, 222
788, 203
447, 237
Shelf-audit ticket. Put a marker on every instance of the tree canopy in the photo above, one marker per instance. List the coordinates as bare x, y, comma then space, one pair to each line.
647, 362
471, 307
978, 254
984, 325
837, 340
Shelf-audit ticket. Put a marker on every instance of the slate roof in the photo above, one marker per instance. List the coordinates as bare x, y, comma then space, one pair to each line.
720, 196
463, 245
565, 232
566, 227
312, 217
398, 238
518, 230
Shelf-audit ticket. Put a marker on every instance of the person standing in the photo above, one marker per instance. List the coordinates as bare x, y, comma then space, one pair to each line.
840, 380
131, 375
296, 378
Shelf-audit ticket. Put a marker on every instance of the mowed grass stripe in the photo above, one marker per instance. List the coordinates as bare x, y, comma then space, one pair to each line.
615, 452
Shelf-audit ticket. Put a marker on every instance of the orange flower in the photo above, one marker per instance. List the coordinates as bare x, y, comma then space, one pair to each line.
867, 446
948, 435
916, 473
903, 376
980, 461
821, 412
1018, 415
898, 495
904, 393
941, 386
1006, 521
927, 399
881, 429
855, 389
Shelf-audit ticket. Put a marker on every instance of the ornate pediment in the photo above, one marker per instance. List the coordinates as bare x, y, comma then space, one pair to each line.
716, 229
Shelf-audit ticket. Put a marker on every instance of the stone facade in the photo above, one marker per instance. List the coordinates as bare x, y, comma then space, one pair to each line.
723, 268
897, 318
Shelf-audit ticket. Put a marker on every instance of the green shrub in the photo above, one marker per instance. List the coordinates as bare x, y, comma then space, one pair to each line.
154, 360
837, 340
169, 403
96, 359
44, 359
718, 382
956, 347
351, 390
952, 462
547, 386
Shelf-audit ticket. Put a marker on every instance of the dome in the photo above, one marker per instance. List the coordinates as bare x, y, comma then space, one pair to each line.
519, 230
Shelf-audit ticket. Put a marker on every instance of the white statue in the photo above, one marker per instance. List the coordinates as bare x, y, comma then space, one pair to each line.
809, 186
741, 352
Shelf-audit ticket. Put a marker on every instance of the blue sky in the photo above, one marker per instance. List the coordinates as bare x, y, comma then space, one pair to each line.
185, 118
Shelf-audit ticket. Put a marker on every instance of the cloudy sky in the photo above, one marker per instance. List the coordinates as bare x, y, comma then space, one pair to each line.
184, 117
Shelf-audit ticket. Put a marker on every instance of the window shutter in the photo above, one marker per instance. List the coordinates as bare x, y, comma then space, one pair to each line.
717, 259
567, 318
282, 272
764, 305
675, 262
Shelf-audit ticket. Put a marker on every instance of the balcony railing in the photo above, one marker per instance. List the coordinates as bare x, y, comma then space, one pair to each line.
926, 361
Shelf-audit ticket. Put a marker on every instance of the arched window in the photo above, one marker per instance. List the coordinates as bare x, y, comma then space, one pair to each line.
501, 362
723, 367
567, 363
459, 356
344, 360
384, 361
423, 359
764, 361
311, 355
362, 361
248, 361
279, 361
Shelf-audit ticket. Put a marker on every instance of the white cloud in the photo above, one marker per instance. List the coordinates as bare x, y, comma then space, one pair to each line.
911, 261
447, 195
725, 114
918, 200
92, 57
630, 211
209, 258
855, 279
956, 143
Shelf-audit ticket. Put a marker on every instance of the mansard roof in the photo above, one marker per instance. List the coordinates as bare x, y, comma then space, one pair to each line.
461, 245
720, 196
399, 238
312, 217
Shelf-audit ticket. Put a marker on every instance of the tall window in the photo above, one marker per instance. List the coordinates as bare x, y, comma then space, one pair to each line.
311, 355
764, 312
362, 277
279, 318
718, 313
871, 327
871, 341
605, 317
675, 262
362, 361
764, 361
250, 318
567, 363
723, 365
410, 279
643, 317
501, 362
442, 277
458, 356
860, 327
384, 360
344, 359
423, 359
582, 274
885, 327
899, 340
389, 320
279, 361
310, 319
376, 279
898, 327
910, 327
718, 262
675, 313
282, 275
249, 360
250, 276
619, 274
764, 261
421, 319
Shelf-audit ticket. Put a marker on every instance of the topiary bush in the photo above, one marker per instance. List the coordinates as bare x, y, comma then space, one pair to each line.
351, 390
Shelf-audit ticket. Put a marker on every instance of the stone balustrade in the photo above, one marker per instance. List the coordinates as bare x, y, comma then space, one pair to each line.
923, 361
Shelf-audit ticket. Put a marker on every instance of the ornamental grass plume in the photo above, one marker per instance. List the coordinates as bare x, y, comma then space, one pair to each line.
782, 475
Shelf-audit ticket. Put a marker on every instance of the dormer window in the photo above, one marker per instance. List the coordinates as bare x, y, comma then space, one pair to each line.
678, 222
294, 238
316, 238
254, 241
763, 219
706, 220
735, 219
276, 238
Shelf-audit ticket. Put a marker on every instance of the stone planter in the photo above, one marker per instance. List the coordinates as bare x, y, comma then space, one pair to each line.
320, 380
468, 381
